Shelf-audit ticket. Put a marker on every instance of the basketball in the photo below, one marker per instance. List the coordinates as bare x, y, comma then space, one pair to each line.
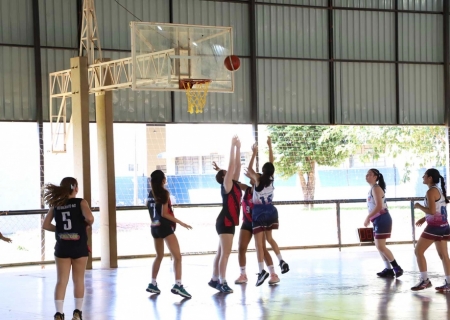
232, 63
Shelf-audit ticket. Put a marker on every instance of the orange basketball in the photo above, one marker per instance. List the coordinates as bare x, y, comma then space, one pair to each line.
232, 63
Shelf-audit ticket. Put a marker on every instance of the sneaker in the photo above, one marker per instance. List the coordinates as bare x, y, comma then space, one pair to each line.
423, 284
444, 288
242, 279
153, 288
59, 316
284, 267
398, 271
77, 315
181, 291
223, 287
273, 279
213, 284
386, 273
262, 277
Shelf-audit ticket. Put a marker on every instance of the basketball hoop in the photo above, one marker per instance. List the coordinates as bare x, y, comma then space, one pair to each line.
196, 92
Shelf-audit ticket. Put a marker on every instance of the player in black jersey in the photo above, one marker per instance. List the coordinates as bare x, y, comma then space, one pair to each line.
72, 217
228, 218
162, 228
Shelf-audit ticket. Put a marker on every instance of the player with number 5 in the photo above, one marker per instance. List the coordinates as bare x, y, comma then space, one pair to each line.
72, 217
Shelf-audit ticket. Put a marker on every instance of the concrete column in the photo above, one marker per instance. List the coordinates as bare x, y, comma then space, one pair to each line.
107, 178
80, 129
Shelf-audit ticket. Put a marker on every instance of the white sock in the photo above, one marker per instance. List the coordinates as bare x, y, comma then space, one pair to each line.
424, 275
59, 305
387, 264
79, 303
215, 278
154, 282
279, 257
448, 279
222, 280
271, 269
261, 266
243, 270
178, 282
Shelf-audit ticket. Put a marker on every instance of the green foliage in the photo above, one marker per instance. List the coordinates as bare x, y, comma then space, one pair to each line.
424, 146
296, 148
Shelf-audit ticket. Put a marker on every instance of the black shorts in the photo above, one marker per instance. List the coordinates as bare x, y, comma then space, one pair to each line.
221, 228
71, 251
161, 232
247, 226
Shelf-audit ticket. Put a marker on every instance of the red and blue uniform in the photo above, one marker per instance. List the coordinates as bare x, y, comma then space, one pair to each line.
228, 217
247, 207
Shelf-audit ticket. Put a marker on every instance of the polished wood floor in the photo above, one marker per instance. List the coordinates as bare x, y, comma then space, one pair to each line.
322, 284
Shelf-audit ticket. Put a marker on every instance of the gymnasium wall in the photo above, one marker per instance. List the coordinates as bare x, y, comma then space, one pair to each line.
383, 63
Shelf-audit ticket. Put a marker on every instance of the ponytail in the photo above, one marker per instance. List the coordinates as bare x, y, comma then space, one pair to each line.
56, 196
380, 179
267, 173
444, 192
160, 194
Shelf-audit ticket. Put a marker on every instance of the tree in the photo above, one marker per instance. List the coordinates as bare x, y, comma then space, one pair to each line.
299, 148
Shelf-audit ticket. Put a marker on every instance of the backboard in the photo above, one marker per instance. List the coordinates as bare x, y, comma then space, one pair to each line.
165, 53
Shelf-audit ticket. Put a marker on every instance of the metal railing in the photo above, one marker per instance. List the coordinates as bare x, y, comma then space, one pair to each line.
337, 208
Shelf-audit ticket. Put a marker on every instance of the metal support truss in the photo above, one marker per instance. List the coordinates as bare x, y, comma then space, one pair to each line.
89, 40
150, 68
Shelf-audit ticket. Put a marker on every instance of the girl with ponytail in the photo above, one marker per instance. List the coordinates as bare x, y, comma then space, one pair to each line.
437, 230
162, 229
382, 222
72, 216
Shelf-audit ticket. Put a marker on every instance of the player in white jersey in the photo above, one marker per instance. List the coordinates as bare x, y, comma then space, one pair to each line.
382, 222
437, 230
265, 215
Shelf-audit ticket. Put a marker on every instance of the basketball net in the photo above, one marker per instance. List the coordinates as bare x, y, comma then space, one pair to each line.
196, 93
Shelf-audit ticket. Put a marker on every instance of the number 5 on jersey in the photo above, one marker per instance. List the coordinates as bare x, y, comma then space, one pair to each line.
66, 220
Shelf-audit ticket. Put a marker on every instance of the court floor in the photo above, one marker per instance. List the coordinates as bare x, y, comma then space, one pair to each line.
322, 284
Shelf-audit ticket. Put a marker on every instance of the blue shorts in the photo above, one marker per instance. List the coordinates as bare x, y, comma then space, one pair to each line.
382, 226
265, 218
436, 233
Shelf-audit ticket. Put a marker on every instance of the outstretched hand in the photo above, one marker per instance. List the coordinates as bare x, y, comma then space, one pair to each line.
186, 225
269, 141
235, 140
255, 147
215, 166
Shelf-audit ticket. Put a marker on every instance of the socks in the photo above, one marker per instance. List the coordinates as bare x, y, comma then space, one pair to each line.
271, 269
448, 279
387, 264
222, 280
242, 270
261, 266
59, 306
178, 282
394, 263
154, 282
79, 303
279, 257
424, 275
215, 278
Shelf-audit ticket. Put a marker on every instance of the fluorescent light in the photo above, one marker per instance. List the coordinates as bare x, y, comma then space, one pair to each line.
194, 44
159, 28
